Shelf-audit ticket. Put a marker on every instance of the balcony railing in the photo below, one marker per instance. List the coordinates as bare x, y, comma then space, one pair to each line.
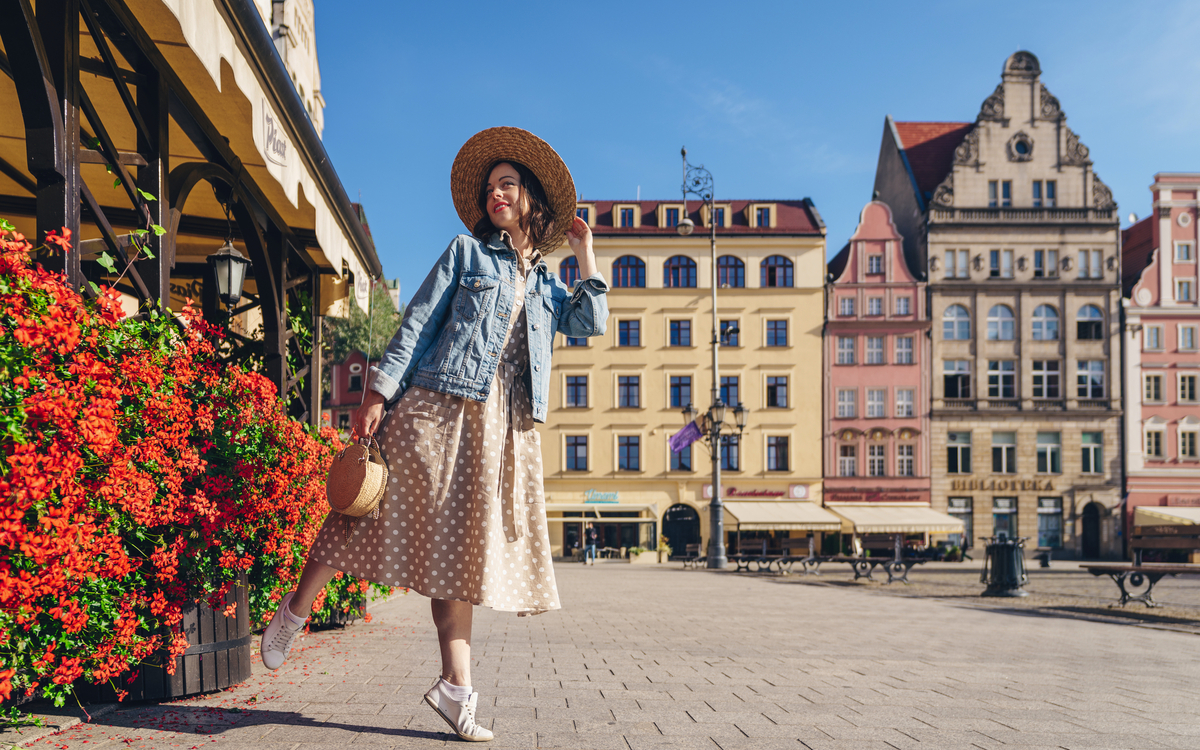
1048, 404
958, 403
1025, 215
1003, 403
1092, 403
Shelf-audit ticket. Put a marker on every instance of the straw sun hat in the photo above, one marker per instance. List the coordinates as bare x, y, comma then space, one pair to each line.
479, 154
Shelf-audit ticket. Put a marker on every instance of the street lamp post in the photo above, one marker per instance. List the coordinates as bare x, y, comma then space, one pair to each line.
698, 181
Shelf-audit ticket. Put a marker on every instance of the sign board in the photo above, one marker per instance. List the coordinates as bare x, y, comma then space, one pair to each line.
275, 143
1182, 501
875, 496
793, 492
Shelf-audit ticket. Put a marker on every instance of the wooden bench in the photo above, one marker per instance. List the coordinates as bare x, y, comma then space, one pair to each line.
897, 566
693, 557
809, 561
1136, 581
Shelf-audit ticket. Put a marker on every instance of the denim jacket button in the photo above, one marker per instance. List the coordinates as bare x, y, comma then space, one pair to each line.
537, 368
535, 326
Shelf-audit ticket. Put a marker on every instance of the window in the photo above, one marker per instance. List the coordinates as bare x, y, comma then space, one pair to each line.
629, 453
629, 333
956, 378
874, 264
1005, 193
628, 272
845, 350
1000, 323
777, 453
1187, 443
846, 407
731, 272
681, 391
958, 453
904, 350
671, 217
1037, 193
626, 217
629, 389
905, 461
1004, 516
1002, 377
776, 271
582, 213
1001, 264
1093, 452
875, 306
1154, 338
1051, 193
1050, 522
1187, 338
1046, 382
729, 390
963, 509
777, 333
1152, 392
957, 264
1091, 264
719, 216
568, 271
1004, 453
1183, 252
679, 272
777, 391
876, 462
577, 458
682, 461
576, 341
762, 217
1090, 325
1185, 290
1090, 378
577, 391
1045, 323
904, 402
729, 333
904, 305
731, 459
993, 193
875, 350
355, 384
1045, 264
956, 323
876, 403
344, 422
1154, 443
1049, 453
681, 333
845, 306
847, 460
1187, 388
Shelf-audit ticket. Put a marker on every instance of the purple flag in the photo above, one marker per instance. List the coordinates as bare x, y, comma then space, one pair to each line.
685, 437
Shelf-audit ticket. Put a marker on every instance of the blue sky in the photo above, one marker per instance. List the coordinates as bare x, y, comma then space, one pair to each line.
778, 100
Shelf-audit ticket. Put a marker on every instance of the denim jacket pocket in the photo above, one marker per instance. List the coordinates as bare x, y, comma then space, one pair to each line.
474, 293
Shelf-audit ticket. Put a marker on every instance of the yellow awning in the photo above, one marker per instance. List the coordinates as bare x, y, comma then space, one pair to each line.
906, 519
779, 515
1162, 516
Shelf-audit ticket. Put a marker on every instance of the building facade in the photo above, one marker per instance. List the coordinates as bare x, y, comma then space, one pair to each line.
1162, 358
1020, 241
616, 399
347, 380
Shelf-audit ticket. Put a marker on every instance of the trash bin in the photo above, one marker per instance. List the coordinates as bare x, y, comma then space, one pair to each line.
1004, 567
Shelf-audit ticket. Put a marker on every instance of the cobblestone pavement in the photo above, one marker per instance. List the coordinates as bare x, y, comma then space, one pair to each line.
648, 657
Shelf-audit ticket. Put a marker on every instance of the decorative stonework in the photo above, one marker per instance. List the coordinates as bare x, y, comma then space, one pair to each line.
1102, 197
1051, 109
943, 195
1020, 147
1023, 63
934, 263
1164, 212
993, 107
1075, 154
967, 152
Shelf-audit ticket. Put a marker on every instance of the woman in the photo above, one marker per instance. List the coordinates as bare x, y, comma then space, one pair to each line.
463, 520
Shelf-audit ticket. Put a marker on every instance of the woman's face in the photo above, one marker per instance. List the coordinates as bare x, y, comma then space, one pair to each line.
505, 203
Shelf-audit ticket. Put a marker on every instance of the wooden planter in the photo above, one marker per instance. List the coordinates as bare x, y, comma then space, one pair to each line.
217, 657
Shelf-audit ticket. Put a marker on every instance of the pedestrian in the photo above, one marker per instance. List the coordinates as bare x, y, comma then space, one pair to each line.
590, 536
463, 519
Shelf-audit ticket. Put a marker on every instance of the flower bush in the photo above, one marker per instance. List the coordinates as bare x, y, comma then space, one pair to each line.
140, 474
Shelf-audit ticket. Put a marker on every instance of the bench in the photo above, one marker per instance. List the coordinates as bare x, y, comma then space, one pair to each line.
897, 566
1136, 581
693, 557
809, 561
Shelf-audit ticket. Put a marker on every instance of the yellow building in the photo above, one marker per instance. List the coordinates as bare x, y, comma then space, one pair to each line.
615, 400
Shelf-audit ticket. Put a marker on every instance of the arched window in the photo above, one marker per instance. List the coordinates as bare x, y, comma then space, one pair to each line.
1000, 323
568, 271
629, 271
956, 323
731, 272
1090, 325
776, 271
679, 271
1045, 323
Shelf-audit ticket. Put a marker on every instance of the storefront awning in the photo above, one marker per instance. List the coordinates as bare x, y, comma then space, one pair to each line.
1164, 516
905, 519
596, 511
779, 515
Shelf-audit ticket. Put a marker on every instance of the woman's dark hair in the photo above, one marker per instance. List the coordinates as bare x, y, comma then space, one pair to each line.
536, 223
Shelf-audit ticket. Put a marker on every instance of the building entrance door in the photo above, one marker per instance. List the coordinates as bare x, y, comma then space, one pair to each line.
681, 527
1091, 531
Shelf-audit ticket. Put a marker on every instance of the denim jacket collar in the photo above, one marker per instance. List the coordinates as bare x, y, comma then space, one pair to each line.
501, 241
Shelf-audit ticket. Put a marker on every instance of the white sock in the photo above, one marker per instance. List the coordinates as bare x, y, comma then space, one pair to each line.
460, 693
287, 612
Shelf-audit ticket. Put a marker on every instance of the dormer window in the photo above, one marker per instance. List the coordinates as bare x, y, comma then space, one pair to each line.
722, 211
761, 215
671, 217
587, 212
583, 212
626, 215
670, 214
874, 264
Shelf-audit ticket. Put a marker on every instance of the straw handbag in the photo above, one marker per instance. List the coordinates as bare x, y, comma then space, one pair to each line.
357, 478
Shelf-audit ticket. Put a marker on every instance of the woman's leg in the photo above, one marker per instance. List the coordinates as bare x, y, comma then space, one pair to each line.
453, 621
315, 577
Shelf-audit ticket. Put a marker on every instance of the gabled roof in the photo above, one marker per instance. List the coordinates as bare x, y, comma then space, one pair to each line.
1137, 249
929, 147
793, 217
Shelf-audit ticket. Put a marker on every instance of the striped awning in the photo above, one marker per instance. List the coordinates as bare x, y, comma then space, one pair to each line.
1157, 515
779, 515
904, 519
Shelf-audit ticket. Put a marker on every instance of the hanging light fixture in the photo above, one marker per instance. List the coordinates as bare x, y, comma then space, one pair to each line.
228, 268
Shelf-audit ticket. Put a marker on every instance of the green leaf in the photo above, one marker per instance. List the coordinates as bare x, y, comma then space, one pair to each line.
117, 182
5, 226
95, 289
158, 231
139, 232
106, 261
146, 195
147, 253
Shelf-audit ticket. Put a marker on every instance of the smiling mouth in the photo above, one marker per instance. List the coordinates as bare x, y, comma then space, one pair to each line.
499, 207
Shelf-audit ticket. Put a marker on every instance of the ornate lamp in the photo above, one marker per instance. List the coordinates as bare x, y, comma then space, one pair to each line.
686, 227
229, 271
739, 416
689, 414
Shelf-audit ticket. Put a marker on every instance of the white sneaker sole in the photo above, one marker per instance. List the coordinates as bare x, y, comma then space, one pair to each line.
453, 727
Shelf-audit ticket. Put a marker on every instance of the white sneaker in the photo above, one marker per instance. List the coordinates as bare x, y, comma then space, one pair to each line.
459, 715
279, 636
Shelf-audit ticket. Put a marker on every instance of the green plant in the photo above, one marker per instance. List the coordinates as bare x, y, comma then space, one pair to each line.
635, 551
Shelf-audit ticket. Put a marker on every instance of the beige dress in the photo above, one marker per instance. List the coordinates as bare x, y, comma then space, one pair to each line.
464, 514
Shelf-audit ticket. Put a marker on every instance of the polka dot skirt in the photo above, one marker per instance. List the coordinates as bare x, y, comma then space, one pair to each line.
464, 514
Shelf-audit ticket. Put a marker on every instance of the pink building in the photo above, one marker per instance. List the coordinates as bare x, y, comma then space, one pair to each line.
1162, 350
876, 371
348, 380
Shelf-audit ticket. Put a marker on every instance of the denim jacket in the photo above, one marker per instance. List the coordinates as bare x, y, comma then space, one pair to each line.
453, 329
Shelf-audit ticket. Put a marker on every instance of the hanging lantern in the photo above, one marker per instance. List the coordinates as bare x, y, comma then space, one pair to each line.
229, 271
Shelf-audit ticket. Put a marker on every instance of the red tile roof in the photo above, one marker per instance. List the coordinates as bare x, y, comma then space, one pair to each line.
792, 217
930, 149
1137, 245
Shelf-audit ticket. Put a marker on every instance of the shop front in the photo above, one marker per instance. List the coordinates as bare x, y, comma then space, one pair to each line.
623, 519
760, 526
873, 527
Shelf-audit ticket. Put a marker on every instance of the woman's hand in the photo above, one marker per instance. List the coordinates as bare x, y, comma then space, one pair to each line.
369, 415
579, 237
